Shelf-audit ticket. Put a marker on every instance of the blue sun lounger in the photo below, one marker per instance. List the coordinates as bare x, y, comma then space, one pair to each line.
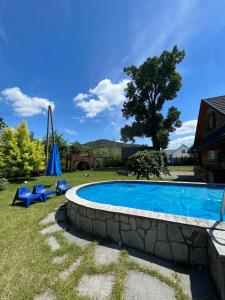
62, 186
40, 189
24, 194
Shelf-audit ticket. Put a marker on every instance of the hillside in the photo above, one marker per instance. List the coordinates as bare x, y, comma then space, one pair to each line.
104, 143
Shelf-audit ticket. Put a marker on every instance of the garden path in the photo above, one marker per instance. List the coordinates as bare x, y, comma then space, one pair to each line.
100, 270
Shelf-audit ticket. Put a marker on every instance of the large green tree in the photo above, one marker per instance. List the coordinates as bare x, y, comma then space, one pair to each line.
152, 84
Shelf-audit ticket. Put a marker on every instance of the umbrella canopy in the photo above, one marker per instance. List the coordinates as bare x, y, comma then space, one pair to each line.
54, 167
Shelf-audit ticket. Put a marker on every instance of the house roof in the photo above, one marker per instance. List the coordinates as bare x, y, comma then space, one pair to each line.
171, 151
217, 102
210, 139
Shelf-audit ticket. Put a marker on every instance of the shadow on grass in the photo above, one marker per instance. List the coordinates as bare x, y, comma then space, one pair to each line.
110, 169
21, 180
21, 203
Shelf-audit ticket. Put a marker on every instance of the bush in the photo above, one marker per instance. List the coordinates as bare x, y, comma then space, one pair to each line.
185, 161
147, 163
19, 155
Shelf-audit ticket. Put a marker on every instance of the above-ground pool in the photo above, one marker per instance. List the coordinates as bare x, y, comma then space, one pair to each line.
196, 201
175, 221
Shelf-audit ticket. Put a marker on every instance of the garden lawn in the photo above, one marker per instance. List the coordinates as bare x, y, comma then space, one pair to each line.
26, 266
181, 168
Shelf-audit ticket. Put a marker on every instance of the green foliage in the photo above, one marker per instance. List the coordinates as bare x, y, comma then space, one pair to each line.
2, 124
152, 84
186, 161
147, 163
76, 148
19, 155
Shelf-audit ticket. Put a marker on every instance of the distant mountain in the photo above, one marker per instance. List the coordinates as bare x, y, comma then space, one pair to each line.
103, 143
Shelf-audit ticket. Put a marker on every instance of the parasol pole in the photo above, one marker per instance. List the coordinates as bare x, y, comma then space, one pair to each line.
47, 136
53, 136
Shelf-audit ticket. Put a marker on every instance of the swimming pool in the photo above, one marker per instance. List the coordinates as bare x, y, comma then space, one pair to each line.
196, 201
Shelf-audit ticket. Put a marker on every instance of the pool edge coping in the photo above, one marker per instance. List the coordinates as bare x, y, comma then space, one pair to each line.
185, 220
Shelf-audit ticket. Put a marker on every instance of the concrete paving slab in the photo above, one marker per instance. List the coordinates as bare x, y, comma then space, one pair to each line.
140, 286
197, 283
105, 255
98, 287
47, 295
59, 259
74, 237
66, 273
53, 243
49, 219
147, 261
51, 229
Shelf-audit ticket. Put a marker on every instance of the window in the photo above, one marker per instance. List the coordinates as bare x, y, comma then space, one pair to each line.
183, 151
211, 121
211, 155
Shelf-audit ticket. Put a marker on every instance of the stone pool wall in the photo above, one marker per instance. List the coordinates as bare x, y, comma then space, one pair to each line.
176, 242
216, 253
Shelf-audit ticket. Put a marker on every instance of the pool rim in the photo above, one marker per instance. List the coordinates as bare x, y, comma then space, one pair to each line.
71, 195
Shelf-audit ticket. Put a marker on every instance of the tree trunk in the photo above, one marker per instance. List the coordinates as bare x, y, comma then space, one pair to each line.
155, 143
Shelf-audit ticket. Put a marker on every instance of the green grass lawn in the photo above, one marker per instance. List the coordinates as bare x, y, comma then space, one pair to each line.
25, 258
181, 168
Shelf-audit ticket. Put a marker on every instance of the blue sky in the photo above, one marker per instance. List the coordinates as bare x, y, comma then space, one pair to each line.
71, 54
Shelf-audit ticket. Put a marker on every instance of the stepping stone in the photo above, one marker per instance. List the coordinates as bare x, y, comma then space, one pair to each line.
65, 274
51, 229
60, 215
59, 259
47, 295
147, 261
49, 219
140, 286
197, 283
97, 287
61, 207
76, 238
105, 255
53, 243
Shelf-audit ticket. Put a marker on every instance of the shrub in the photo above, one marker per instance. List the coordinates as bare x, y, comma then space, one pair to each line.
19, 155
147, 163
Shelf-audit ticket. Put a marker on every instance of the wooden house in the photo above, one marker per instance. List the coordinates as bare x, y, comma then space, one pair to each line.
209, 141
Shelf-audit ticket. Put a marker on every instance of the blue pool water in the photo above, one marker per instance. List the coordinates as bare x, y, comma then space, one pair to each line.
185, 200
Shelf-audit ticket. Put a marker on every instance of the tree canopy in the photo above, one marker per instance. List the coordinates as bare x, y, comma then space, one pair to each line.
152, 84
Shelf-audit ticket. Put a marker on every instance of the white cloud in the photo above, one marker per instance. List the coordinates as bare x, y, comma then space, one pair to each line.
81, 97
104, 96
70, 131
187, 140
25, 105
187, 127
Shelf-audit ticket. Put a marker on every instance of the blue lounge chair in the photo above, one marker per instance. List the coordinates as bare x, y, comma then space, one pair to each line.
62, 186
40, 189
24, 194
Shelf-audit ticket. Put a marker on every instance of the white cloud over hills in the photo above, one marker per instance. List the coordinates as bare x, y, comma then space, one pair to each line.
25, 105
104, 96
